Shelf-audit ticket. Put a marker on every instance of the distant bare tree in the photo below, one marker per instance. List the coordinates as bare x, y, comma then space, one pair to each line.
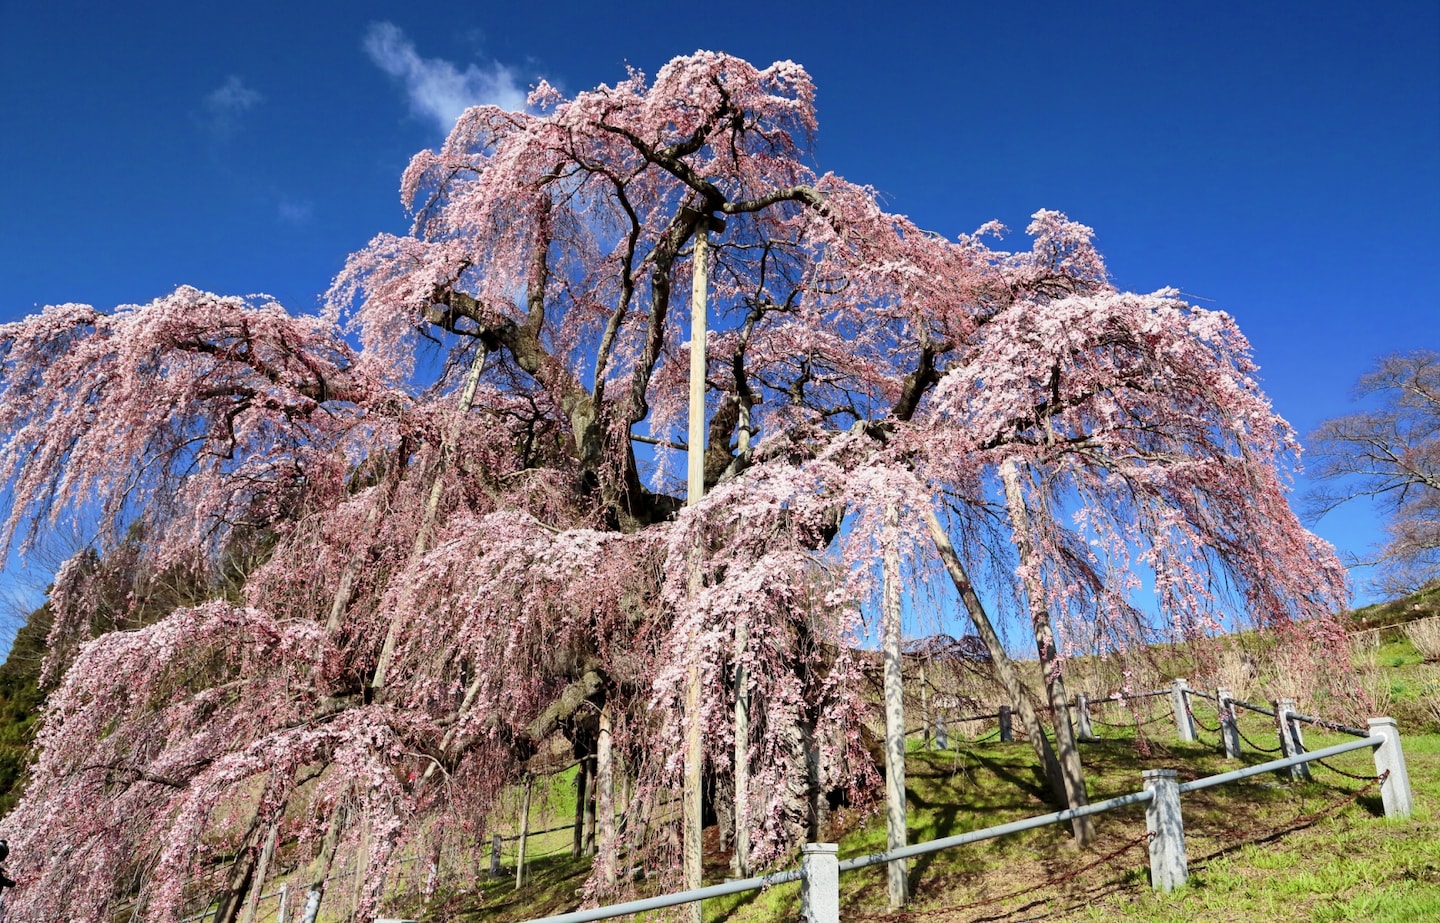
1391, 453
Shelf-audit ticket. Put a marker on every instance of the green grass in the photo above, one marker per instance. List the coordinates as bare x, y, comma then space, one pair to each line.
1421, 604
1263, 848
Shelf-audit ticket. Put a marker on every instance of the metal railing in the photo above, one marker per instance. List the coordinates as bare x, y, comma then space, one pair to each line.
819, 871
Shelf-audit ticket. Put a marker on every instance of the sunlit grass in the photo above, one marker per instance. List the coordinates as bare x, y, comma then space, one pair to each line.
1264, 848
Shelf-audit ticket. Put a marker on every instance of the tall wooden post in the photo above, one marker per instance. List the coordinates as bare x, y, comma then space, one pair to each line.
582, 793
1009, 676
694, 752
1072, 773
252, 900
362, 867
897, 887
741, 862
524, 835
605, 797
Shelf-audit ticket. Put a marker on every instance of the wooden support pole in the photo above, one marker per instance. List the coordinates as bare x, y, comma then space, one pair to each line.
252, 900
691, 856
524, 835
605, 797
897, 886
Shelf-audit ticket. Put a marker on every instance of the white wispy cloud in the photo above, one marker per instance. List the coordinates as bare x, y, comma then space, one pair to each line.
225, 105
438, 90
296, 212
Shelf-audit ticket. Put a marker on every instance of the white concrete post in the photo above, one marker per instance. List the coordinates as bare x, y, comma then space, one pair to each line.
312, 905
1395, 790
820, 889
1007, 728
1229, 725
1082, 717
1180, 701
1290, 744
925, 719
1168, 867
283, 911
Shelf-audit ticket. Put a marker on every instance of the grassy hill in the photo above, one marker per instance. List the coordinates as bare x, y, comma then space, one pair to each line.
1263, 848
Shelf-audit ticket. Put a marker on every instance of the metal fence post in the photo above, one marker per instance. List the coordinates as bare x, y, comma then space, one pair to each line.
1184, 724
1168, 867
1395, 790
820, 889
1082, 717
1290, 744
1229, 724
1007, 730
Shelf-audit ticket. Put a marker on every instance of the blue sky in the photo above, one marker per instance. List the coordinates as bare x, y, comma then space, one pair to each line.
1278, 161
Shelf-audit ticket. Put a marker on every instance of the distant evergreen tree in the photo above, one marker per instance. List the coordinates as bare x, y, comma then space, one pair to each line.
20, 701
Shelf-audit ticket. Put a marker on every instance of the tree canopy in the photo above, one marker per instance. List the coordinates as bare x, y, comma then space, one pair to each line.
1390, 452
453, 499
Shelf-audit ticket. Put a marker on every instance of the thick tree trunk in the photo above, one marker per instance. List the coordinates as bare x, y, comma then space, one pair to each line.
1009, 676
816, 804
897, 885
1071, 772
